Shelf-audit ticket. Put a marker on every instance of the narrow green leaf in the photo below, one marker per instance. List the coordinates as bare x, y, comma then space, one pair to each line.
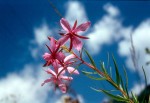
126, 89
145, 84
117, 72
112, 84
110, 72
134, 97
94, 78
85, 72
122, 84
103, 67
91, 60
145, 76
118, 98
126, 76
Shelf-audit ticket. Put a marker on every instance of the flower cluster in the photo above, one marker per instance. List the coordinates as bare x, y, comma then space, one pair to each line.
58, 60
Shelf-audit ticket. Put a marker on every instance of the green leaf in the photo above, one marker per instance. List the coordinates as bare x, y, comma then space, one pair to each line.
85, 72
147, 50
117, 72
110, 72
126, 76
91, 59
121, 83
103, 67
134, 97
115, 97
92, 77
126, 89
145, 76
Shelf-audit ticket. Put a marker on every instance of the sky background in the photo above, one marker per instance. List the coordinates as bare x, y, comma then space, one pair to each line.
25, 25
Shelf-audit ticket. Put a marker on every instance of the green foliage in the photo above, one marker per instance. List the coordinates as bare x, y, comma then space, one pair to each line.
91, 59
115, 97
88, 74
118, 79
118, 83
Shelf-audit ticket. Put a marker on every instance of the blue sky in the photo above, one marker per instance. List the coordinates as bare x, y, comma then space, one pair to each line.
25, 24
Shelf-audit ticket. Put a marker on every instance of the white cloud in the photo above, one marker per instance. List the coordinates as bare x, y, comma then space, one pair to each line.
40, 39
141, 36
137, 89
24, 87
112, 10
41, 33
106, 30
75, 11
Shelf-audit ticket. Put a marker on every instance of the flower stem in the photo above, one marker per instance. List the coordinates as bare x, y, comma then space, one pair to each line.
104, 75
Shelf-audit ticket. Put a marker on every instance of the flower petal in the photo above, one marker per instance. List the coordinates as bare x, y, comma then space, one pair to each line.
71, 56
77, 43
82, 27
55, 65
62, 70
66, 78
53, 44
63, 88
63, 39
82, 37
46, 81
49, 71
65, 25
75, 24
47, 56
47, 63
72, 70
60, 56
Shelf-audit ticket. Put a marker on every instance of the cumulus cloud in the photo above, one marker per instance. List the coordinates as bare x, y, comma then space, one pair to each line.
108, 29
41, 33
141, 36
137, 89
112, 10
75, 11
24, 87
40, 39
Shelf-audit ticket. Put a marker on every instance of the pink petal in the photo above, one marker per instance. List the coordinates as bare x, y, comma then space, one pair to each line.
55, 65
65, 25
63, 39
82, 27
49, 71
47, 56
72, 70
75, 24
82, 37
71, 56
71, 43
53, 44
63, 88
66, 78
60, 56
77, 43
62, 70
46, 81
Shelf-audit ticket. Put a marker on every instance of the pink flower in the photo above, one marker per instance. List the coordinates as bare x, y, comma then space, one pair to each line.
55, 55
58, 79
71, 33
67, 63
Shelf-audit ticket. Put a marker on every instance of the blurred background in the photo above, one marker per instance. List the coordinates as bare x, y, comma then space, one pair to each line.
25, 25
